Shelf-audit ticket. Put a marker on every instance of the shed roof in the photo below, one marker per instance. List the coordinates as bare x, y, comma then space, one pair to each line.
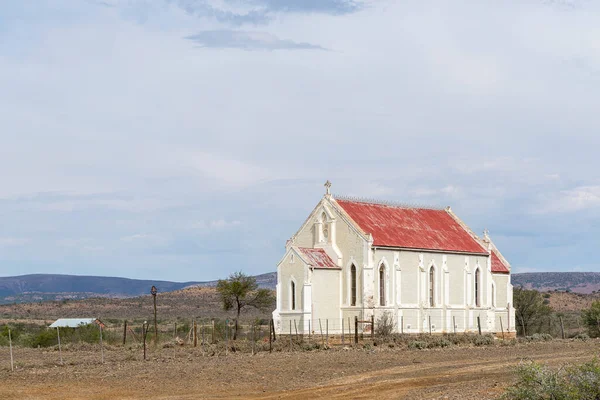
72, 322
411, 227
317, 258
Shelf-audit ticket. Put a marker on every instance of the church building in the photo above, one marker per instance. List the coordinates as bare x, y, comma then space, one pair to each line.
422, 268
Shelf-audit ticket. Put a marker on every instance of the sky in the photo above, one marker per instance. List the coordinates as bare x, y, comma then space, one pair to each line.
187, 139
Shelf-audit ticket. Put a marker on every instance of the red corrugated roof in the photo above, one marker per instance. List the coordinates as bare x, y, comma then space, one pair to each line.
317, 258
413, 228
497, 265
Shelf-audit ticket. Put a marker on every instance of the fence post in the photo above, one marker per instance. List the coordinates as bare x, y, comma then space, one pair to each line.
349, 331
227, 336
402, 324
342, 330
290, 335
355, 329
213, 331
321, 329
144, 338
124, 332
252, 338
327, 331
309, 332
429, 318
562, 327
12, 366
195, 334
270, 336
373, 327
296, 329
273, 329
59, 348
203, 341
479, 324
501, 328
175, 330
101, 346
454, 323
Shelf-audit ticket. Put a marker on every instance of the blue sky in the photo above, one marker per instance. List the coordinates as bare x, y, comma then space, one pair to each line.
186, 139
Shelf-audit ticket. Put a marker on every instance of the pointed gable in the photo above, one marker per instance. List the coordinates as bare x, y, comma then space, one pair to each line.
411, 228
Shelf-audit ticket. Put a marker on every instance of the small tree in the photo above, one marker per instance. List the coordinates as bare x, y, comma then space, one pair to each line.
591, 318
239, 291
529, 308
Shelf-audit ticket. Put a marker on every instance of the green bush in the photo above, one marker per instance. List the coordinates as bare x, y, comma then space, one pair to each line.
538, 382
483, 340
539, 337
582, 336
417, 344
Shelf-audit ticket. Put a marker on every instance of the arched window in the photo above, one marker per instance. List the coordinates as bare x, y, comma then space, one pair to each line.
431, 287
382, 285
353, 285
477, 288
293, 291
325, 227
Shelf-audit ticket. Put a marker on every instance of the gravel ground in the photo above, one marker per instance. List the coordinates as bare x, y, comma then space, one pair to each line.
187, 373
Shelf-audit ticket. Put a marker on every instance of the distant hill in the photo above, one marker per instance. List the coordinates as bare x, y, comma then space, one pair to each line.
47, 287
577, 282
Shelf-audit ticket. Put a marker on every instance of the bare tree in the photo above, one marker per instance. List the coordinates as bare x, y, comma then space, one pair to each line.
239, 291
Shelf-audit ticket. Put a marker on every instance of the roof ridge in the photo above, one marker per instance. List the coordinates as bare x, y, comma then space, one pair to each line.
387, 203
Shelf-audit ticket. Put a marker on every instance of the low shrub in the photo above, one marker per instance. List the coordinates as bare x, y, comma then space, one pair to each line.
539, 382
582, 336
483, 340
539, 337
417, 344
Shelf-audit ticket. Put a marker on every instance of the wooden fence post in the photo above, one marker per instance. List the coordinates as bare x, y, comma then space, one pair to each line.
253, 339
59, 348
479, 324
195, 334
101, 346
355, 329
12, 365
349, 331
501, 328
373, 327
454, 323
327, 331
562, 327
203, 341
321, 329
402, 324
124, 332
273, 329
429, 324
227, 336
309, 330
144, 329
342, 330
175, 330
296, 329
290, 335
213, 331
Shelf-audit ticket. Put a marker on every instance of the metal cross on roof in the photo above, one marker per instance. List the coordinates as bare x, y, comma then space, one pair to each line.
328, 187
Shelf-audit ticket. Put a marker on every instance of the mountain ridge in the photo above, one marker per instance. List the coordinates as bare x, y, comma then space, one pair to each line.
48, 287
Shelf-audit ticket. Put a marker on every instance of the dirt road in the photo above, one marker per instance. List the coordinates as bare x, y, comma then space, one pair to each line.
451, 373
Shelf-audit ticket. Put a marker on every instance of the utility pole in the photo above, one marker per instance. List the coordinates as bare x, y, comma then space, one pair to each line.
153, 292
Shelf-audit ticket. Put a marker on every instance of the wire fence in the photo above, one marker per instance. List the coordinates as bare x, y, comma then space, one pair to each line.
217, 336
